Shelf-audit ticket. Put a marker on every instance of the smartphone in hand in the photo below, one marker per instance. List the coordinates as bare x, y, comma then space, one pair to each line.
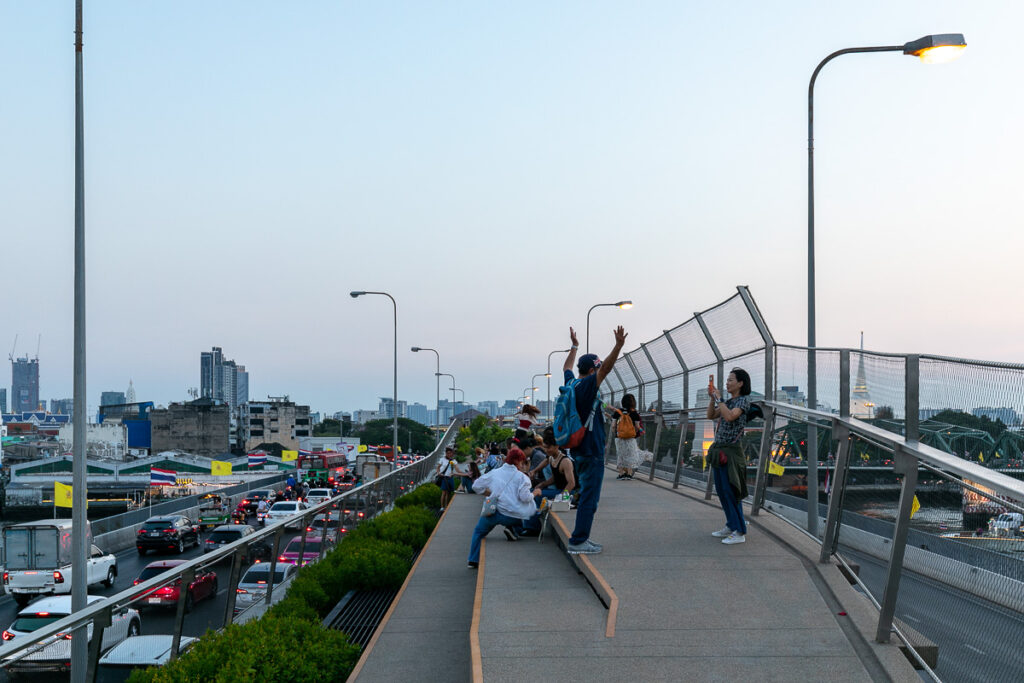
711, 384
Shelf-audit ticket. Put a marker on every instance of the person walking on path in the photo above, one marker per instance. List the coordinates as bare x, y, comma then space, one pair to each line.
511, 487
445, 476
628, 428
589, 455
728, 465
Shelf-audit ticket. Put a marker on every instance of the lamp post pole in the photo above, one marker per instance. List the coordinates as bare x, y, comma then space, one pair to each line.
533, 383
437, 404
624, 305
394, 399
932, 48
550, 415
445, 374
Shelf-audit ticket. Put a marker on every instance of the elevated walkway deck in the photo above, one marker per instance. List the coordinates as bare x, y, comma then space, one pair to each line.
664, 601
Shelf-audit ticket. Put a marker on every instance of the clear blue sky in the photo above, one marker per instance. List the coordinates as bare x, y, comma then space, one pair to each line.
498, 167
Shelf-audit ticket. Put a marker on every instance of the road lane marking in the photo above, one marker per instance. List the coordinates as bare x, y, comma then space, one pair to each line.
974, 649
907, 616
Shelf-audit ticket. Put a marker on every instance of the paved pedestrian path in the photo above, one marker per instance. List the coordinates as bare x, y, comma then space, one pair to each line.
665, 601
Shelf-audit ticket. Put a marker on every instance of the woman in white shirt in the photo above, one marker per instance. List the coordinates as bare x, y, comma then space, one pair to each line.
510, 485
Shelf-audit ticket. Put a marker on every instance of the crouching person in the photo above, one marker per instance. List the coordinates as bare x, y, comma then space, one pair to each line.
510, 487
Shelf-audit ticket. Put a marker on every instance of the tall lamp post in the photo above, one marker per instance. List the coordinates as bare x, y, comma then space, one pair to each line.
394, 399
445, 374
624, 305
437, 376
550, 415
931, 49
533, 381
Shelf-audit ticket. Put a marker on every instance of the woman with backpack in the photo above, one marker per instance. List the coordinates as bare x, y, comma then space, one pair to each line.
725, 456
628, 429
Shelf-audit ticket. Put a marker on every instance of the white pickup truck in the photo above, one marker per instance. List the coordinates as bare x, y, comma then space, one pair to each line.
39, 560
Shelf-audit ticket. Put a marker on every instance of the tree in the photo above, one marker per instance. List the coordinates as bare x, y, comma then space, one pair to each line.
329, 427
884, 413
481, 431
379, 432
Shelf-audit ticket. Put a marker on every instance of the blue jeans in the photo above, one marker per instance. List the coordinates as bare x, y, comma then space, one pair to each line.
533, 523
484, 526
732, 507
590, 475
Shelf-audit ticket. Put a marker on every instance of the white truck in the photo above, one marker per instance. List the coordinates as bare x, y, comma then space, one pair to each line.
38, 558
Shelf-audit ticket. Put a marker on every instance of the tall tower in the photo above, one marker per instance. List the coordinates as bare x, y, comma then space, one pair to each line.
861, 406
24, 384
130, 394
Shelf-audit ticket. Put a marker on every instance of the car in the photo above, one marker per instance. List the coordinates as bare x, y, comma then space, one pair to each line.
253, 586
310, 553
286, 509
56, 656
139, 652
229, 533
203, 586
332, 528
169, 532
252, 498
317, 496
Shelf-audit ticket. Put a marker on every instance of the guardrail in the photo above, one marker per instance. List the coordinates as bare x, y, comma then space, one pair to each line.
377, 494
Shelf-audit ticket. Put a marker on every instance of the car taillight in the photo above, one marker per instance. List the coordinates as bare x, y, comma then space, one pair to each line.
210, 541
168, 531
65, 636
241, 590
309, 528
135, 582
8, 635
282, 559
58, 577
142, 531
7, 577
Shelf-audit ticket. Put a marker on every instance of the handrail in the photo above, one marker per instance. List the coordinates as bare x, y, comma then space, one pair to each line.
101, 610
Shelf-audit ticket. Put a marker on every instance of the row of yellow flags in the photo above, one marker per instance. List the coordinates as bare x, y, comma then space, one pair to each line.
62, 493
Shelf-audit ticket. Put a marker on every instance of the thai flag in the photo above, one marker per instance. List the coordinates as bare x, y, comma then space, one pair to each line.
257, 459
159, 477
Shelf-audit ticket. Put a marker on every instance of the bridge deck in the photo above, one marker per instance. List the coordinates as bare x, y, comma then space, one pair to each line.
684, 606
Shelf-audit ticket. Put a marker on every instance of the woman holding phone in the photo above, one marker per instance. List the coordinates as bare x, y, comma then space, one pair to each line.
728, 465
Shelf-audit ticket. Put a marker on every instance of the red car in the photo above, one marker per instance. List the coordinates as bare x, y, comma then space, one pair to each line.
202, 587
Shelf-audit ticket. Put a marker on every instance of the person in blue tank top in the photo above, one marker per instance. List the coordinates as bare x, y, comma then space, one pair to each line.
589, 455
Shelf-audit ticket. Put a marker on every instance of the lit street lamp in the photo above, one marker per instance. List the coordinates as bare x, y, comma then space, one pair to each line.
624, 305
394, 399
437, 411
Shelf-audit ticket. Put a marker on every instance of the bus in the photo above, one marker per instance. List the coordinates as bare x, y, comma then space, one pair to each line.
329, 466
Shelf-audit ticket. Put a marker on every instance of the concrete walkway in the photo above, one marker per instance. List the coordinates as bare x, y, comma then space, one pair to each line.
426, 637
684, 606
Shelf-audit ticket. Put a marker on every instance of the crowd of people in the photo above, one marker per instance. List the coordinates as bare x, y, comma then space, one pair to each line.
520, 477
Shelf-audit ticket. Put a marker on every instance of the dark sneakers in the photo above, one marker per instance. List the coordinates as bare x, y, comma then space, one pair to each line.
473, 565
510, 535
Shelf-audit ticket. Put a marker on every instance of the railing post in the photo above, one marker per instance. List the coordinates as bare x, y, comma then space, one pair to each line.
763, 456
187, 577
684, 426
659, 418
99, 622
237, 559
835, 500
710, 474
323, 536
907, 465
913, 398
306, 520
273, 563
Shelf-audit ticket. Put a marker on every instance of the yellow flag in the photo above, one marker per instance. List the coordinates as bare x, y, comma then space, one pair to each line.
776, 468
981, 457
61, 495
288, 456
914, 507
362, 448
219, 467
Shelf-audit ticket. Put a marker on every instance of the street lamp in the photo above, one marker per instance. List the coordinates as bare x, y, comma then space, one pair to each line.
931, 49
533, 380
437, 411
394, 399
548, 375
445, 374
624, 305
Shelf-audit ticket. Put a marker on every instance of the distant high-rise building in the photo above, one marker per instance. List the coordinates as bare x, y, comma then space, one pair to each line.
385, 410
222, 380
3, 400
112, 398
24, 384
62, 406
489, 407
418, 412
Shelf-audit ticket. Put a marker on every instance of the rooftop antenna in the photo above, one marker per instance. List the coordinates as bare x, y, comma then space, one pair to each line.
39, 341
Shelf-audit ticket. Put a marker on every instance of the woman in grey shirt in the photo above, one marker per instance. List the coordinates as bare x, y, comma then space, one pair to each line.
728, 465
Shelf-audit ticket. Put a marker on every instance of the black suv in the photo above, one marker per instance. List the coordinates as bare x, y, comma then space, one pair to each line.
171, 532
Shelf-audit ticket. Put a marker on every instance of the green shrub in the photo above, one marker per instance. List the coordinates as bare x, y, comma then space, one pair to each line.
294, 607
261, 650
371, 564
427, 495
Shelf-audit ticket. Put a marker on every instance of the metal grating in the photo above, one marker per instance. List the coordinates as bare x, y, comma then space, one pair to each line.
359, 613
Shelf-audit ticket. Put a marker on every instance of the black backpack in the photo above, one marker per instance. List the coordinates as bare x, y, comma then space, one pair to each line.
754, 412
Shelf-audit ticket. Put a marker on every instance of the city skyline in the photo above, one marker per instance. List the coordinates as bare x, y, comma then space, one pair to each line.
436, 144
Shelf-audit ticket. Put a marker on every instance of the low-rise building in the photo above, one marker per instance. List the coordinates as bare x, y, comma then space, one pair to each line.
199, 427
275, 421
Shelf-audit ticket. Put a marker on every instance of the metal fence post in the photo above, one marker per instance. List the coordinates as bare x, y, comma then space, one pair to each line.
307, 520
657, 441
763, 456
913, 398
710, 478
233, 578
835, 500
273, 563
907, 465
684, 426
99, 623
187, 577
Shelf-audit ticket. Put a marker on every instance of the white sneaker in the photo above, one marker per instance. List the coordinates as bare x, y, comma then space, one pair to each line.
734, 537
722, 533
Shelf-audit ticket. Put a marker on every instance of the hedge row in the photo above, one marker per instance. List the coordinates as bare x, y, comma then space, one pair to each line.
288, 644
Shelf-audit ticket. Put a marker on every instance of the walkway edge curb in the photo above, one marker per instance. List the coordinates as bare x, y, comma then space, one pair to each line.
594, 578
394, 601
474, 630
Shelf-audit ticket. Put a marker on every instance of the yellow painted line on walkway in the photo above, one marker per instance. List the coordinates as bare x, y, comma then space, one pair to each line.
596, 579
474, 629
394, 603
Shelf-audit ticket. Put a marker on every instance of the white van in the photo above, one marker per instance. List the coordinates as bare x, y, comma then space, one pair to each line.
39, 559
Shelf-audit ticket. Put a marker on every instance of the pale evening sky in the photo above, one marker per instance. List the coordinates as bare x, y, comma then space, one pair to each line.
498, 168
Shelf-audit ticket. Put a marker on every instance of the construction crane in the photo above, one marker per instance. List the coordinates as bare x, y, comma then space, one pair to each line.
10, 356
39, 341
